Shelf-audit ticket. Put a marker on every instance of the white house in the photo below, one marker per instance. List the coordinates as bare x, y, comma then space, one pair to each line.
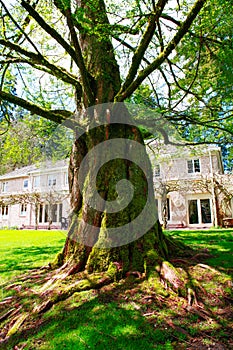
35, 195
191, 190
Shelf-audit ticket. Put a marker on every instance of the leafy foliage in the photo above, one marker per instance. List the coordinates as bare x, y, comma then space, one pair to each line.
62, 56
31, 139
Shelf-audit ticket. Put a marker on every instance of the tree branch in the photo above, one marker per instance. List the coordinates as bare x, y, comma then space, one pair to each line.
144, 43
51, 31
40, 60
184, 27
18, 26
59, 117
84, 73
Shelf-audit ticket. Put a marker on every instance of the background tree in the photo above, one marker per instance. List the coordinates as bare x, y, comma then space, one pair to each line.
88, 53
30, 139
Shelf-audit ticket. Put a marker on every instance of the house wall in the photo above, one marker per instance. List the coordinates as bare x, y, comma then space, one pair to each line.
52, 188
182, 186
173, 177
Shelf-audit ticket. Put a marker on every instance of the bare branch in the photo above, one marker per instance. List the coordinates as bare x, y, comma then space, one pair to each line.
144, 43
51, 31
21, 29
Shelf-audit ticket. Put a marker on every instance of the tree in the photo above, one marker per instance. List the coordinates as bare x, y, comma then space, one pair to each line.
98, 54
29, 139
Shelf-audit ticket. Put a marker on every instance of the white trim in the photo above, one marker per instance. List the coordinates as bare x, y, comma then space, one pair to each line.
198, 197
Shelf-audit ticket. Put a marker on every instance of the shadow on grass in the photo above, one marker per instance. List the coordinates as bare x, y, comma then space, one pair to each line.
129, 315
21, 259
104, 322
136, 316
218, 243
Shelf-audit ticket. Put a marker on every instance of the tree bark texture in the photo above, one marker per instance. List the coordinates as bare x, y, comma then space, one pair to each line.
91, 244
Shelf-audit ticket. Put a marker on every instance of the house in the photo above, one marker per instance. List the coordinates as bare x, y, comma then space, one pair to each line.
191, 190
35, 196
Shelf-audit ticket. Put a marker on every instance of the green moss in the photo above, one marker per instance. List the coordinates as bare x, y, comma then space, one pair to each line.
58, 261
113, 271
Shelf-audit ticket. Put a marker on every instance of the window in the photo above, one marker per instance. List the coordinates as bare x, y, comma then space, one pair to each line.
36, 182
23, 209
157, 170
52, 180
66, 179
47, 212
193, 212
5, 210
25, 184
4, 186
193, 166
166, 209
199, 211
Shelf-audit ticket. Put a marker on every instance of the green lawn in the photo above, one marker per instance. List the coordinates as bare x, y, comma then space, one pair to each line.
127, 315
21, 250
219, 243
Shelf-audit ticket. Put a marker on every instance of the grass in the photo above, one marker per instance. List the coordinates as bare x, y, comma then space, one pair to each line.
219, 243
21, 250
131, 314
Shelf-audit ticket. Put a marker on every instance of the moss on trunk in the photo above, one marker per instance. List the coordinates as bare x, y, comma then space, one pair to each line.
89, 244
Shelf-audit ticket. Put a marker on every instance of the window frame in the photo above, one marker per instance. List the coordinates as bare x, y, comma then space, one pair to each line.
23, 209
25, 181
52, 180
36, 181
5, 210
199, 211
193, 168
5, 186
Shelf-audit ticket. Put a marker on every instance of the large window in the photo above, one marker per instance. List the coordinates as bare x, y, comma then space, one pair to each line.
51, 212
199, 211
193, 166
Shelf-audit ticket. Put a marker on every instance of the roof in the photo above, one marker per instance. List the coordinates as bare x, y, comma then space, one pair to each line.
30, 169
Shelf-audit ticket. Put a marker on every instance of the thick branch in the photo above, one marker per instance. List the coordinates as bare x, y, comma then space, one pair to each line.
144, 43
59, 117
81, 64
184, 27
40, 60
51, 31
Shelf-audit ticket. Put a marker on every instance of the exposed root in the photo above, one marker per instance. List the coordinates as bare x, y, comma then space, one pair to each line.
43, 289
95, 281
17, 322
172, 277
58, 288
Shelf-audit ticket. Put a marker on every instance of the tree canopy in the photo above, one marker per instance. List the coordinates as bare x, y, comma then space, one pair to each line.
175, 57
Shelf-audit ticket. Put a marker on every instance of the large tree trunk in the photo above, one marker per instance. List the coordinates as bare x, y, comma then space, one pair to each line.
126, 235
103, 237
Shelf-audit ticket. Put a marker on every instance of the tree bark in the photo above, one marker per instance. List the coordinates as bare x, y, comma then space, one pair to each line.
91, 243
